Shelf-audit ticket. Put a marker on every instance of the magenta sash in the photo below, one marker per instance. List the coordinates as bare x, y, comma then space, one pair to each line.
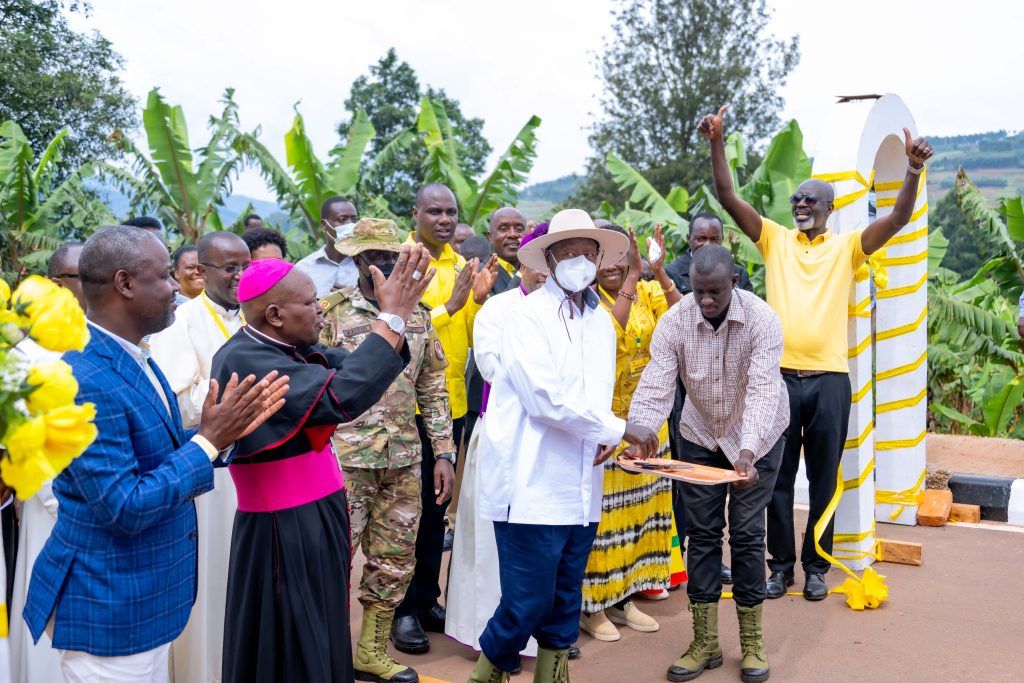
282, 484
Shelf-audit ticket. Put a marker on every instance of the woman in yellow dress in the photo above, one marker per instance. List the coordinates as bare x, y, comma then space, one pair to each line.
634, 545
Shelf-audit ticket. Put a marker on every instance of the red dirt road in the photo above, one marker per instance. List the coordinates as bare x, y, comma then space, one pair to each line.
959, 617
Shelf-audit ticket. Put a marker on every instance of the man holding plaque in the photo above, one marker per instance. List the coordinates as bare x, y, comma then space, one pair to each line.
724, 344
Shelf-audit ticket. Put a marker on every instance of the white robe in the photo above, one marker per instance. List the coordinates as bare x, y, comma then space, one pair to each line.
184, 352
32, 661
475, 589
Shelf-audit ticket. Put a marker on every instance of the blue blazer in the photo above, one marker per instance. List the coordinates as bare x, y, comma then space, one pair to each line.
118, 573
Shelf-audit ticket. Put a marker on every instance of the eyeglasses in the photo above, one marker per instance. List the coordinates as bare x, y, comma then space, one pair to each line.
228, 270
73, 276
809, 199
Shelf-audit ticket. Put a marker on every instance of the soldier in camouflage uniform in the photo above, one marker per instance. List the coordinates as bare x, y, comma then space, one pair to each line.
380, 452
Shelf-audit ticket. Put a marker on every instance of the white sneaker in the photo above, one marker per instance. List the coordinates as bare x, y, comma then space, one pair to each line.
599, 627
632, 617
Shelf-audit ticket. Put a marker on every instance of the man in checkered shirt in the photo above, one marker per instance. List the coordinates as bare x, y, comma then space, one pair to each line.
725, 345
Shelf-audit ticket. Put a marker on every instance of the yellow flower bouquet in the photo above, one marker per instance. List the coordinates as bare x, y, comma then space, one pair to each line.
41, 428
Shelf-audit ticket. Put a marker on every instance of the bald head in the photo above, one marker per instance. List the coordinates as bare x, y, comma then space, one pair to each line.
212, 242
812, 205
289, 311
508, 225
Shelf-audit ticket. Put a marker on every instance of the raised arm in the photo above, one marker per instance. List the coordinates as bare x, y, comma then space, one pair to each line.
748, 220
881, 231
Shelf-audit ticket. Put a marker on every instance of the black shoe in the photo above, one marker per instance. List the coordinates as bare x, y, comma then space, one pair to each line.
449, 539
433, 619
778, 582
815, 587
726, 574
408, 636
575, 652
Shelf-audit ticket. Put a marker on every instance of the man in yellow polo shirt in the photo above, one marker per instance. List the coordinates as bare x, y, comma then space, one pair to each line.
808, 274
454, 296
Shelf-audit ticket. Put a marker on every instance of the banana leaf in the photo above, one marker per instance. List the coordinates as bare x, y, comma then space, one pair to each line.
498, 189
342, 174
999, 408
643, 193
17, 194
307, 171
784, 168
977, 209
167, 135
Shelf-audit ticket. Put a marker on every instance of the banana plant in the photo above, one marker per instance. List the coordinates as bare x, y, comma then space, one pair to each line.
305, 182
36, 212
477, 199
186, 190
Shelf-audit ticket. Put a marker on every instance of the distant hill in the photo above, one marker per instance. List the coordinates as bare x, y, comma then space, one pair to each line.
993, 160
537, 200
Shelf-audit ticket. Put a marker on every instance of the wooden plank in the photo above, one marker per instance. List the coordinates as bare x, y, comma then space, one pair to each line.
900, 552
964, 512
935, 507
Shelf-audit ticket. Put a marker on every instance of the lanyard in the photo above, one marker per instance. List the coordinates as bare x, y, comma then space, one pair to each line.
216, 318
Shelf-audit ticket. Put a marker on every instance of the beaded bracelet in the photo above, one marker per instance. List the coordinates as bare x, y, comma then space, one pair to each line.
631, 297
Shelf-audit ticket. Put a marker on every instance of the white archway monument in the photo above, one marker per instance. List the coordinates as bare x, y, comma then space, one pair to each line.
862, 149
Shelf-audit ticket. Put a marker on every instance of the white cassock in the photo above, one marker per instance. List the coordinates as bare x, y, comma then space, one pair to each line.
5, 654
184, 352
32, 661
476, 589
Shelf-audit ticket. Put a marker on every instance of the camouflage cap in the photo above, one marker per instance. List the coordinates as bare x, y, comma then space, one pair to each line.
370, 233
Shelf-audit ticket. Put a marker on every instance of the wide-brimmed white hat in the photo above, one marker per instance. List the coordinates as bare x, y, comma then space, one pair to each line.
566, 225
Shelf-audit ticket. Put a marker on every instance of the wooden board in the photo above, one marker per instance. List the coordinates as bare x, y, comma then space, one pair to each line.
683, 471
964, 512
900, 552
934, 508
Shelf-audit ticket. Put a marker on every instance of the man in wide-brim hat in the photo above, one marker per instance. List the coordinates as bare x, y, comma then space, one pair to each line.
549, 430
381, 453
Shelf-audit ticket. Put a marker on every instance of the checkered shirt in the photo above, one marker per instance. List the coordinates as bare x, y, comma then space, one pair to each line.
736, 398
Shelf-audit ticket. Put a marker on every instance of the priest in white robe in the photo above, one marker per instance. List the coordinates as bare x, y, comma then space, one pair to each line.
184, 352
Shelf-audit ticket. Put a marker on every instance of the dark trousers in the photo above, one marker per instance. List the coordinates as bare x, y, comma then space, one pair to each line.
675, 441
425, 587
819, 416
541, 572
705, 511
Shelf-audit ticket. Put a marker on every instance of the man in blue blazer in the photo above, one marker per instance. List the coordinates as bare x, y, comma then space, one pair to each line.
116, 580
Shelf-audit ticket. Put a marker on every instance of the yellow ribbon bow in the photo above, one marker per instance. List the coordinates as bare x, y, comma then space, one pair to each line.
874, 266
870, 591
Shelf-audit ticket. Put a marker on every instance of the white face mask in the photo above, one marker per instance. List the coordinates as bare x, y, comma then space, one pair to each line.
575, 274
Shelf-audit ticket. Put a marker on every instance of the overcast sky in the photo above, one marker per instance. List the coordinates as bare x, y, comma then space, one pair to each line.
959, 66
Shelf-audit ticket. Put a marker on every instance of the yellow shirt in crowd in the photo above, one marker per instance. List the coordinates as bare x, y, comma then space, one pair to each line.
455, 331
808, 284
509, 268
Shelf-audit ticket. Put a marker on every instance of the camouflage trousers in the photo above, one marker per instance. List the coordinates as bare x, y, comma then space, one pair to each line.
384, 505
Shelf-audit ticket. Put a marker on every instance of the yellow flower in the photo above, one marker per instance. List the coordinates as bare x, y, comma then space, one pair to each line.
870, 591
5, 292
25, 440
54, 384
51, 314
69, 431
26, 478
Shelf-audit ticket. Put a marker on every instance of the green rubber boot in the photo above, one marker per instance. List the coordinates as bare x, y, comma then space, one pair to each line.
372, 661
754, 667
552, 666
485, 672
704, 652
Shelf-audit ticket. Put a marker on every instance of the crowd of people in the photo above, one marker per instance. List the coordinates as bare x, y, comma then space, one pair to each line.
260, 420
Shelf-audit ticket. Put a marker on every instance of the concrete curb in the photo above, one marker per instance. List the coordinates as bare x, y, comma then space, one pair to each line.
1001, 498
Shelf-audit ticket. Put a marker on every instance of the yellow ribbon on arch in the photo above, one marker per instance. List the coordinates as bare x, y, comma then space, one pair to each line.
874, 267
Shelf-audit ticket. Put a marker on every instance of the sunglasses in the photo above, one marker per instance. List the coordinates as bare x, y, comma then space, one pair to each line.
809, 199
229, 270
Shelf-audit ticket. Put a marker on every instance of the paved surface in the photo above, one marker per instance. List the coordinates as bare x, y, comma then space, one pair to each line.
959, 617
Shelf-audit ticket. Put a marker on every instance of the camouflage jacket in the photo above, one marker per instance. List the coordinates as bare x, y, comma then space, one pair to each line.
385, 436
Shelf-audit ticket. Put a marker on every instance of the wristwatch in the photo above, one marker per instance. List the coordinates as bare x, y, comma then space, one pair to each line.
394, 322
450, 457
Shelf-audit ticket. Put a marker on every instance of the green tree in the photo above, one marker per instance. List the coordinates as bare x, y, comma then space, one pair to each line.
185, 190
669, 63
55, 78
967, 248
391, 93
42, 200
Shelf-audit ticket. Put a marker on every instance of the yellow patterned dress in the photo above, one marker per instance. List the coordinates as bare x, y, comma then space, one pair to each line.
634, 549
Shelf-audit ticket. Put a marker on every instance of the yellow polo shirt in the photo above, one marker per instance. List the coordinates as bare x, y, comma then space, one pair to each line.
808, 284
509, 268
455, 331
